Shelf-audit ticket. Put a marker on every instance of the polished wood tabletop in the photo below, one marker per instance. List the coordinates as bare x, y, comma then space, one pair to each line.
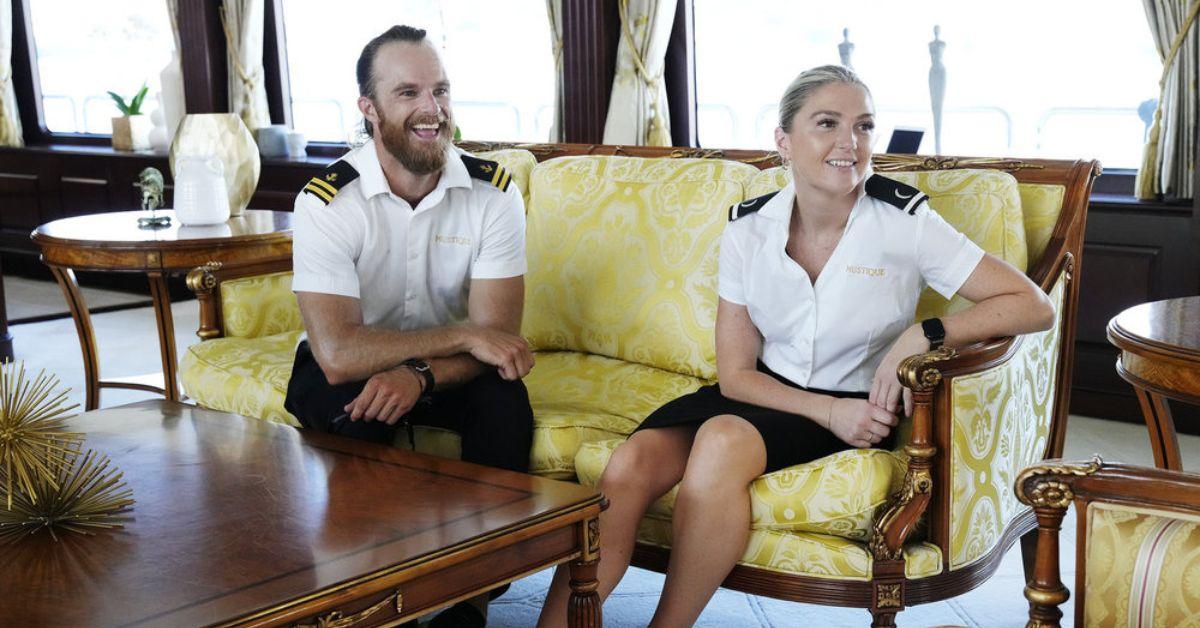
1160, 358
114, 242
241, 521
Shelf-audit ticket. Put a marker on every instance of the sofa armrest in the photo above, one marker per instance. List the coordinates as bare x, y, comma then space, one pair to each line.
972, 380
205, 282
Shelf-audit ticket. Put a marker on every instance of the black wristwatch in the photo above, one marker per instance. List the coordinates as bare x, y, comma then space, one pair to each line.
421, 367
935, 332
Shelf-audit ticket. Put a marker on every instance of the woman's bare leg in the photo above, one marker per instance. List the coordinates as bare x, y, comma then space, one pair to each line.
640, 471
712, 516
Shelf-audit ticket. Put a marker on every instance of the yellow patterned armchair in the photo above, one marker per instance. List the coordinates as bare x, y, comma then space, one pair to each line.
1138, 544
620, 307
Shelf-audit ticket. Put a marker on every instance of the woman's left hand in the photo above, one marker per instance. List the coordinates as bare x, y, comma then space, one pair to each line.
886, 390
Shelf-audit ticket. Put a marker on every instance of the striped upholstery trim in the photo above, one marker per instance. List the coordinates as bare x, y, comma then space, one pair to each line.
1148, 570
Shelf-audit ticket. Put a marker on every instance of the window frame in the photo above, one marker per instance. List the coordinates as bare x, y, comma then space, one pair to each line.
591, 35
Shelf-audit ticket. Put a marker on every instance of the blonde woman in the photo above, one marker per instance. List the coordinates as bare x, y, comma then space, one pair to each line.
818, 285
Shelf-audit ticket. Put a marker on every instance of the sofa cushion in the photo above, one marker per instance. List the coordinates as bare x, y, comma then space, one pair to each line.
1041, 204
623, 257
246, 376
262, 305
579, 398
985, 205
836, 495
808, 553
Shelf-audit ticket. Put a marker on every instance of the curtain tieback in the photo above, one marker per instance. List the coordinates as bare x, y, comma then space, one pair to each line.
657, 133
249, 79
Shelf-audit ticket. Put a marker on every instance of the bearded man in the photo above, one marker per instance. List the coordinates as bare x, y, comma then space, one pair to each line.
409, 263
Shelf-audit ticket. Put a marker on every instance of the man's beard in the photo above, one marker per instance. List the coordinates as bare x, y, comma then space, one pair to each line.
416, 156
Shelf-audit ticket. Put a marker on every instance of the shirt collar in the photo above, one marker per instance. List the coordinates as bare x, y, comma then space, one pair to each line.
780, 206
370, 171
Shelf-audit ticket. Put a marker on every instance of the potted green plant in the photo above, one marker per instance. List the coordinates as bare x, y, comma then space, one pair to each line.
131, 130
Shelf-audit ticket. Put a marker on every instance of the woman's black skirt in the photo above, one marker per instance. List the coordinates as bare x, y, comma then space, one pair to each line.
790, 439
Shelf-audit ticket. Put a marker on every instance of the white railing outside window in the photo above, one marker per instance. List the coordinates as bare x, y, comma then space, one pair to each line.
1026, 78
498, 58
87, 48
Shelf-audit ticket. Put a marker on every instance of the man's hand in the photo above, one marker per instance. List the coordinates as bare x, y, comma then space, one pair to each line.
886, 390
509, 353
387, 396
859, 422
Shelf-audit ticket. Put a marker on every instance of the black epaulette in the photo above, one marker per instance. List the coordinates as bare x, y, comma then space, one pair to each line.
489, 171
325, 186
745, 208
893, 192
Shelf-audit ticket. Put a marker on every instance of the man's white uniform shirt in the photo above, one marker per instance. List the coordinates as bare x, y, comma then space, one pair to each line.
832, 335
410, 268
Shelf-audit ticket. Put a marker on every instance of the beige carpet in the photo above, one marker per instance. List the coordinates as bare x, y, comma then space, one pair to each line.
36, 299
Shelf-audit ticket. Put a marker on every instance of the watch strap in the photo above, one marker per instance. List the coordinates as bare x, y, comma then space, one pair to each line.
421, 368
934, 331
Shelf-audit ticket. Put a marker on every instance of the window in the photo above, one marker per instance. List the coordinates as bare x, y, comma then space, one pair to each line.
1024, 78
498, 57
102, 47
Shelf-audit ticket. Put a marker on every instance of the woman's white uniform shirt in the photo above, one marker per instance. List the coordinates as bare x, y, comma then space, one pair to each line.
831, 335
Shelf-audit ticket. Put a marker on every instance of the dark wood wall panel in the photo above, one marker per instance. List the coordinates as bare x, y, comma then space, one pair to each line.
1132, 254
81, 196
21, 204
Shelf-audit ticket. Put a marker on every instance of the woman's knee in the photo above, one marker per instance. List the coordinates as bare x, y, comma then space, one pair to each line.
640, 465
728, 452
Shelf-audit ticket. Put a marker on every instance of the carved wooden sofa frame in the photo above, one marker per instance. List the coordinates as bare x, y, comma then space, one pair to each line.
924, 499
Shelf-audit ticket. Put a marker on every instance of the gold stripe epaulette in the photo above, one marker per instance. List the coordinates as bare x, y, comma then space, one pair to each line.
489, 171
326, 185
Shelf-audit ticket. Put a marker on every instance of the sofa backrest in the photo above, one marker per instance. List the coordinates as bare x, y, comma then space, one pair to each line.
623, 257
985, 205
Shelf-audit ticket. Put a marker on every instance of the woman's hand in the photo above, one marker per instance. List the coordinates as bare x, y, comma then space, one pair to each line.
859, 422
886, 390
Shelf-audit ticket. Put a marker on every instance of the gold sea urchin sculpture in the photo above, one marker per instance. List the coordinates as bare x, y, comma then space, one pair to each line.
83, 495
34, 441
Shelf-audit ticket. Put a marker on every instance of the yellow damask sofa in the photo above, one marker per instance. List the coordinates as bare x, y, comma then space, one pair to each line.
620, 307
1138, 544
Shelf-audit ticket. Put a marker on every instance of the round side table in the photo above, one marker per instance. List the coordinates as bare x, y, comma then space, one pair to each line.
1160, 357
114, 242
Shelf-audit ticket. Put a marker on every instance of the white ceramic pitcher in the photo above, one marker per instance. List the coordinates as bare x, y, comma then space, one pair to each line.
200, 194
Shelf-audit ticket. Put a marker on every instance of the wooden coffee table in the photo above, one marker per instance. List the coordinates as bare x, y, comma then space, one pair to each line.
242, 522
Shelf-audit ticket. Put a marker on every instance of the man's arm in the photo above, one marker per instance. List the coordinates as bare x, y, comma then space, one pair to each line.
494, 309
494, 304
347, 350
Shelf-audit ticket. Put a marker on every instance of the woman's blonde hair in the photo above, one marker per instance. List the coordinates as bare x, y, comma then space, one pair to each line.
810, 81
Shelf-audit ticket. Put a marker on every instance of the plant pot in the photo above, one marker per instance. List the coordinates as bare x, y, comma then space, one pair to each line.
131, 132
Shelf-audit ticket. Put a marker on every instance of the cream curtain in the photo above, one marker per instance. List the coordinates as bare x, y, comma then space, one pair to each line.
637, 111
554, 12
1169, 157
243, 22
10, 122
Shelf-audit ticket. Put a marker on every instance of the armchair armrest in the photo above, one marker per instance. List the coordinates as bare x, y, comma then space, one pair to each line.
1051, 487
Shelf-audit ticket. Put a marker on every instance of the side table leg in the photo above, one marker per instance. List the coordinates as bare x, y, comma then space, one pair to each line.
83, 327
583, 607
1162, 430
166, 333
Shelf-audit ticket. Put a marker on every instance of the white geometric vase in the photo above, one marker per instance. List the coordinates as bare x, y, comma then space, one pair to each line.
224, 136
